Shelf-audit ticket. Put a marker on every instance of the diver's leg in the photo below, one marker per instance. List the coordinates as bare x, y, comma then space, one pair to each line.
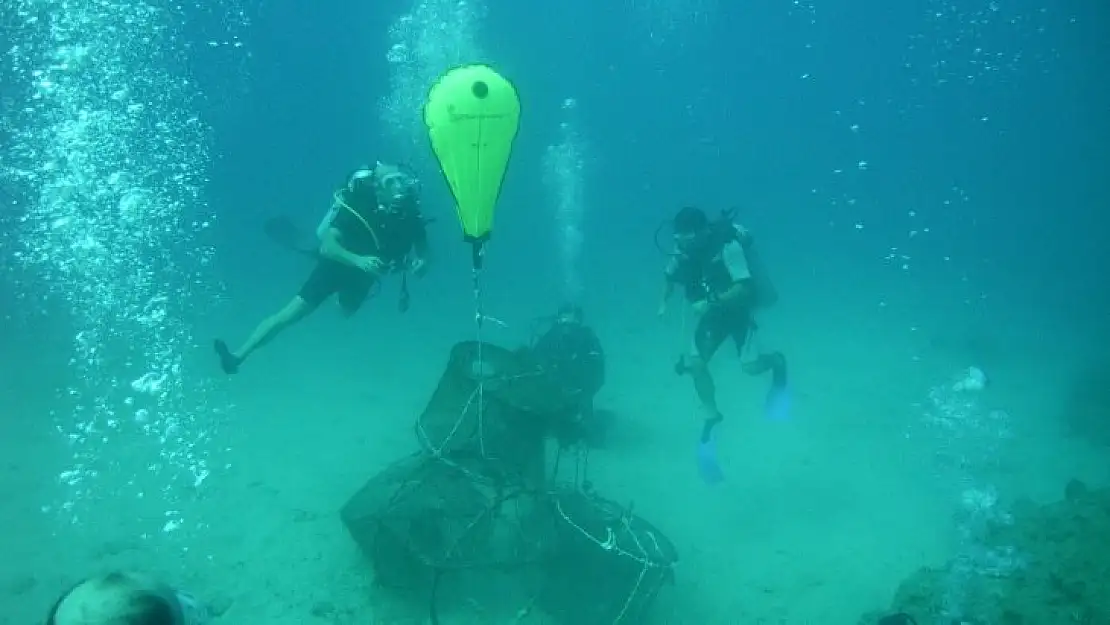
743, 331
271, 326
586, 408
589, 423
776, 406
354, 291
267, 330
708, 337
316, 289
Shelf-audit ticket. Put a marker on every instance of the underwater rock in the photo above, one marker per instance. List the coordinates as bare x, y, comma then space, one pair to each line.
1085, 409
1059, 570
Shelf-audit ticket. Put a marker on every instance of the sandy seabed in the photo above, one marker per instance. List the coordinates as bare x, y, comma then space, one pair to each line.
819, 519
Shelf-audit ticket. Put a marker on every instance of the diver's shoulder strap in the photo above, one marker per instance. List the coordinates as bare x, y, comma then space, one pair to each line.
340, 203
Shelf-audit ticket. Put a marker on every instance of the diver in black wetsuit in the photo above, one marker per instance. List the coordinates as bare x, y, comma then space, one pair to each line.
571, 355
373, 228
715, 266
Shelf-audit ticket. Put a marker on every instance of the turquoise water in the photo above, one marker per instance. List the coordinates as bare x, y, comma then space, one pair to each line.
922, 181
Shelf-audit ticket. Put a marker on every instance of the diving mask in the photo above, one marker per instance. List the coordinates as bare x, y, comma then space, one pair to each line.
395, 186
691, 244
569, 313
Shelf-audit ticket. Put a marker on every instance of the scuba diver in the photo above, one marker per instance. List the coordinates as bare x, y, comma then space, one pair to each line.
127, 599
373, 228
715, 264
570, 354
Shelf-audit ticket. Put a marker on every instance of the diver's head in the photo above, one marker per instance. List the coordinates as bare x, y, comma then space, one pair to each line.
361, 183
569, 314
691, 229
119, 598
396, 186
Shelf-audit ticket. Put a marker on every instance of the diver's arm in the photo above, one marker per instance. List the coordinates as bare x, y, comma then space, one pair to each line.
668, 284
740, 291
669, 281
332, 249
597, 360
668, 290
417, 262
417, 228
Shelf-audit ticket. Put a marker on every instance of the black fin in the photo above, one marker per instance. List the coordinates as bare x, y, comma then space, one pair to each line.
284, 232
228, 362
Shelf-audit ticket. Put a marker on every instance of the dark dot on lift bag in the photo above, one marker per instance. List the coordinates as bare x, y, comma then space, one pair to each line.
480, 89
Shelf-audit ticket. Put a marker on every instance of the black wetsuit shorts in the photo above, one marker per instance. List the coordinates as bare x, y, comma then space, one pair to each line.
351, 286
718, 324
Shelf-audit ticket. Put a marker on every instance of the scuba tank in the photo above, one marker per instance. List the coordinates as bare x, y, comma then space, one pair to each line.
766, 295
361, 182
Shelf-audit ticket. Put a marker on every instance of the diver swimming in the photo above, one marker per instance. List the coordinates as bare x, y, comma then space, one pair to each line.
373, 228
725, 282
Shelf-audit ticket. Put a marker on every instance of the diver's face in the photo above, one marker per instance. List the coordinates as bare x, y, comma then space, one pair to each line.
688, 242
394, 186
382, 170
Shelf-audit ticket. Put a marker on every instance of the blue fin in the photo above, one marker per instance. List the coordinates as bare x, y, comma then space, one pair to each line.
777, 406
708, 467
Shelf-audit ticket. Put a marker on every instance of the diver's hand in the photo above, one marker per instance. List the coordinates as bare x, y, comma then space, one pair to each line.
662, 309
743, 235
700, 306
418, 267
370, 264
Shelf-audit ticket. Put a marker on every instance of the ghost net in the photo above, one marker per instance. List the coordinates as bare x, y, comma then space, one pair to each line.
473, 523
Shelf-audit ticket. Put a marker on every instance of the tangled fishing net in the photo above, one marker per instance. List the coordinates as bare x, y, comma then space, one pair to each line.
476, 523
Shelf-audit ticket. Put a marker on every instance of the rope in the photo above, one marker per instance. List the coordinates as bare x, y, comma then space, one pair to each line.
644, 548
478, 395
478, 318
612, 544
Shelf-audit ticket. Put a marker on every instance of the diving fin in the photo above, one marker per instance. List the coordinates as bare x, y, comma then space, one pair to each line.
228, 361
284, 232
776, 406
708, 467
404, 300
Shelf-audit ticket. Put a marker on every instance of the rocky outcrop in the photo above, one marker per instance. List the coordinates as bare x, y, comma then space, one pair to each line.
1085, 409
1058, 571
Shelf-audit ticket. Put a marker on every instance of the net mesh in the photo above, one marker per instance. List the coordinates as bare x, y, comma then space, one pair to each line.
472, 522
